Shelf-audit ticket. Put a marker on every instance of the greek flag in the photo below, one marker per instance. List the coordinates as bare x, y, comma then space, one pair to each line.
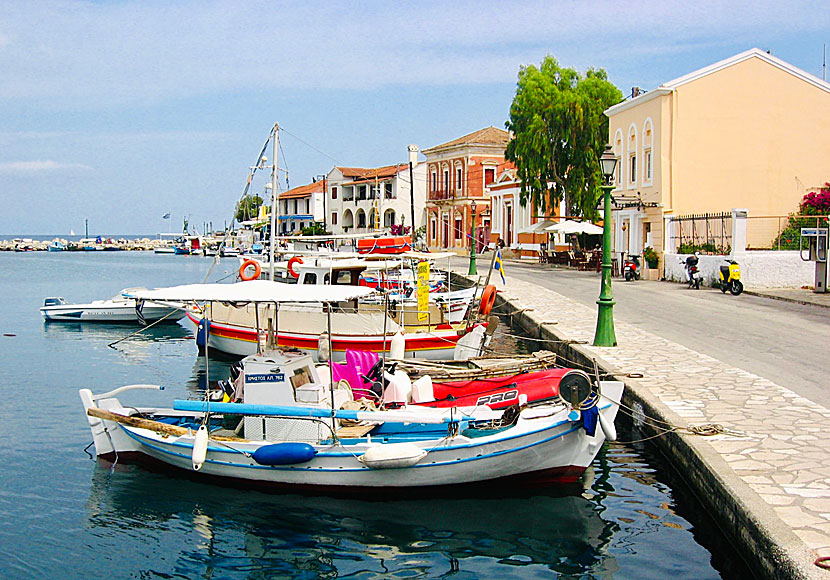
139, 312
499, 265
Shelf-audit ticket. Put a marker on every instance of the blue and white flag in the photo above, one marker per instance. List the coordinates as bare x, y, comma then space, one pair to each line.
166, 216
499, 265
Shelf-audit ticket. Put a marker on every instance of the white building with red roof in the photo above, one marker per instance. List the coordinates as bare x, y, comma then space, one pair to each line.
364, 200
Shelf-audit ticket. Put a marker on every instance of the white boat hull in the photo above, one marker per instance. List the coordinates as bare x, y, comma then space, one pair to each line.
544, 446
241, 340
112, 312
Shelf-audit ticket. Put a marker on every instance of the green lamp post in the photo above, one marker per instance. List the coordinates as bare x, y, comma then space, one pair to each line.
604, 335
472, 271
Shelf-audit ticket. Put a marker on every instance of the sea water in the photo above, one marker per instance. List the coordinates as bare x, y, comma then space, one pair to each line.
65, 515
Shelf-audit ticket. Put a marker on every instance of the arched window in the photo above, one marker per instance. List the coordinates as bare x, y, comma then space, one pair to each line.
631, 163
618, 151
348, 219
389, 218
648, 152
361, 218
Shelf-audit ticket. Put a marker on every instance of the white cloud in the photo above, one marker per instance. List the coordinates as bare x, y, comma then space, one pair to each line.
90, 54
34, 167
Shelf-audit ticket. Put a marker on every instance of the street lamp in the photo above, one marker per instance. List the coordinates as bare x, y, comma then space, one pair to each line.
604, 335
472, 271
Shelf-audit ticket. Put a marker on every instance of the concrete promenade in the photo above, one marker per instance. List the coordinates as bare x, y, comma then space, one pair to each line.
766, 477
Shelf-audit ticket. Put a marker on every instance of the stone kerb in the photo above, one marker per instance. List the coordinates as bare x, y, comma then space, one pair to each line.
735, 476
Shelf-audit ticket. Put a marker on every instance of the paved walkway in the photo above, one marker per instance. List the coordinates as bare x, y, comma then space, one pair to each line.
774, 463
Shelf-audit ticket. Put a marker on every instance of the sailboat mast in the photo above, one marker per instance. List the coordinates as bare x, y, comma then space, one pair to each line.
274, 199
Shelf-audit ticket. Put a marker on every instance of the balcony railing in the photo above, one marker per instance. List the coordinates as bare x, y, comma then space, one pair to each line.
440, 194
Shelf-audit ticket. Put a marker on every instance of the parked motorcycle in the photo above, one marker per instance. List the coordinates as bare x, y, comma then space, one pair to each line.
730, 278
693, 275
631, 267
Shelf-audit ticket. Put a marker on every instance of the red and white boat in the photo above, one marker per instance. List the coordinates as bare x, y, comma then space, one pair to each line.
232, 330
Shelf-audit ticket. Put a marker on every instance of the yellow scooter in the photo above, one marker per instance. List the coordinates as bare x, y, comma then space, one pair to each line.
730, 278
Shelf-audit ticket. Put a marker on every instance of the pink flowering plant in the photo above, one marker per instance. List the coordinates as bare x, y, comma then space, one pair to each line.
815, 203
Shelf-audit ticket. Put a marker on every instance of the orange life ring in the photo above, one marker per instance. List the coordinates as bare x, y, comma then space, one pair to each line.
291, 262
488, 298
257, 270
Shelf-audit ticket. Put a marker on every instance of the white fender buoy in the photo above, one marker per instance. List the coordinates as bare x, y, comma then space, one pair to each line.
200, 442
392, 456
398, 346
399, 389
422, 391
608, 428
323, 351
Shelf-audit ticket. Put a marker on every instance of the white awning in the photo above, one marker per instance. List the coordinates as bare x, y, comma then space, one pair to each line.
574, 227
537, 228
252, 291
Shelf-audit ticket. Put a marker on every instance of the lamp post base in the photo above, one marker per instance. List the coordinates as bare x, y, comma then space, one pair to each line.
605, 335
472, 271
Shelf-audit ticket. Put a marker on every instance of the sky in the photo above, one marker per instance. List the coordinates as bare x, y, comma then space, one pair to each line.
119, 112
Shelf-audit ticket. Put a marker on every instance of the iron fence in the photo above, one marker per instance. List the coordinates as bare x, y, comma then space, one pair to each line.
779, 232
711, 233
708, 233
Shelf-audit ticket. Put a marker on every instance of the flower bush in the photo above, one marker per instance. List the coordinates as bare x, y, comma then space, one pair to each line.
815, 203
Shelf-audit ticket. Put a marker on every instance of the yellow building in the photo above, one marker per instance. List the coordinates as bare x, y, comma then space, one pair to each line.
748, 132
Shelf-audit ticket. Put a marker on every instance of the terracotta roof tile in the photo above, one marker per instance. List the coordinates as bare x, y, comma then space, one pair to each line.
486, 136
370, 173
304, 190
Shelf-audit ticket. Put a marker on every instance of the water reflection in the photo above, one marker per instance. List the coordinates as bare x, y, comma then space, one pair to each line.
206, 374
242, 534
108, 333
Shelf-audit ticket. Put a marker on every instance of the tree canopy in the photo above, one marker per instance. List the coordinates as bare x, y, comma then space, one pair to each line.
248, 207
559, 132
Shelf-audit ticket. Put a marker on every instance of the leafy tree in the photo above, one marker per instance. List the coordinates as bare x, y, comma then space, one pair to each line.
559, 133
247, 207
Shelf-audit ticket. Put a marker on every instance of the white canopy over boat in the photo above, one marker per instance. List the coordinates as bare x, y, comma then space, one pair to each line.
252, 291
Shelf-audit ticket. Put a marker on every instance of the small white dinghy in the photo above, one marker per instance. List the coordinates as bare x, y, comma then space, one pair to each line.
117, 310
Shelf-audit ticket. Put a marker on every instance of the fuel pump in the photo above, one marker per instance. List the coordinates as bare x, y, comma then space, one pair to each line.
814, 242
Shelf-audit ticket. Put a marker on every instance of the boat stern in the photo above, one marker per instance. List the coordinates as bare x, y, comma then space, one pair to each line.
109, 438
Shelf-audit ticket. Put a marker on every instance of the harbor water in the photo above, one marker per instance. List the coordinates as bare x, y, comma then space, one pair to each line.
64, 514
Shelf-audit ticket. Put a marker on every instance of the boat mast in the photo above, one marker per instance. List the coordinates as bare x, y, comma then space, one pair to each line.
274, 196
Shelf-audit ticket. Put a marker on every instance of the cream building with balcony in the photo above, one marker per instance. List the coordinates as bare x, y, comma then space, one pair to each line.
751, 131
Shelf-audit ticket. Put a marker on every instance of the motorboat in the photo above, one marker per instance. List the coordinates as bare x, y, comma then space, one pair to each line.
56, 246
118, 309
283, 423
235, 327
395, 275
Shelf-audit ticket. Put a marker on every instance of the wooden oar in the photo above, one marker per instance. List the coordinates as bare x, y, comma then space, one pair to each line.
150, 425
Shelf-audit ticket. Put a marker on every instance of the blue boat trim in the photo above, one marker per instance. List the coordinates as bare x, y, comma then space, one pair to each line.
148, 442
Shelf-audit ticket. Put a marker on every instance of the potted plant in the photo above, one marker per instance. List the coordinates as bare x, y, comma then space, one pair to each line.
650, 256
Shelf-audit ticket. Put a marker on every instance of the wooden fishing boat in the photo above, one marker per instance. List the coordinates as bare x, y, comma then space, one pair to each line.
294, 428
